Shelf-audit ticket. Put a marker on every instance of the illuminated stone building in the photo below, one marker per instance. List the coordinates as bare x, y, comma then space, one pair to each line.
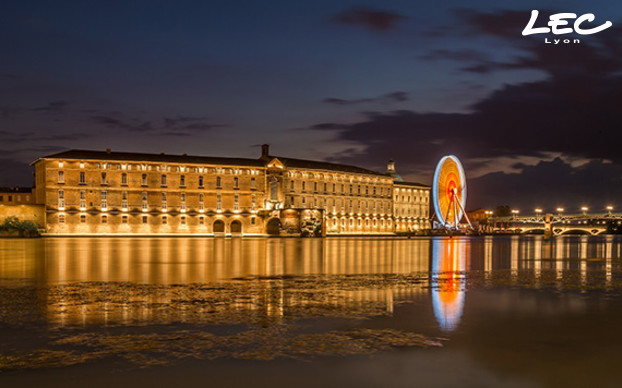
411, 203
118, 193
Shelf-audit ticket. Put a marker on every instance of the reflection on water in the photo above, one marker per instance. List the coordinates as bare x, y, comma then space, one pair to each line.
158, 280
450, 260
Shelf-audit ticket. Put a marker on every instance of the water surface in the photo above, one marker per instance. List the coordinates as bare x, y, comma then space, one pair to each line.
485, 311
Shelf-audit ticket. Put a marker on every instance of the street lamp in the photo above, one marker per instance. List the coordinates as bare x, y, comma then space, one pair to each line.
560, 210
538, 211
609, 209
584, 209
514, 213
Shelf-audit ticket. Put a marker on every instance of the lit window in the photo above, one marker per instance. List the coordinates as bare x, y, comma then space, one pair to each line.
144, 180
104, 199
81, 164
124, 179
163, 202
219, 202
61, 177
82, 199
61, 199
236, 203
182, 181
124, 200
82, 178
60, 164
163, 180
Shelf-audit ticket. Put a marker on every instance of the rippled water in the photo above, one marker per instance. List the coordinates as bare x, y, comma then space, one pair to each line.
486, 311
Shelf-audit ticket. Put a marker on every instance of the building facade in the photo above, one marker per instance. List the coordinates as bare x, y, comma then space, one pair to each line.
117, 193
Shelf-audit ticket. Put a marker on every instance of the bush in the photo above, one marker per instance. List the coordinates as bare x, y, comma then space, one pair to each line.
25, 228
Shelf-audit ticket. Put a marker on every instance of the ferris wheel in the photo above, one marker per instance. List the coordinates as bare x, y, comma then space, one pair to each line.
449, 193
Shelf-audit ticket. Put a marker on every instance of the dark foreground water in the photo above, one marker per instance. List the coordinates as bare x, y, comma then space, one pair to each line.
486, 311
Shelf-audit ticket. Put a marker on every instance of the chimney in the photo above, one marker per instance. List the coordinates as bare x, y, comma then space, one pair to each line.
108, 150
265, 151
390, 167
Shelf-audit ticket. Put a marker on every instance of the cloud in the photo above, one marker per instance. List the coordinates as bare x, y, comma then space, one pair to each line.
370, 18
386, 98
572, 111
551, 184
54, 106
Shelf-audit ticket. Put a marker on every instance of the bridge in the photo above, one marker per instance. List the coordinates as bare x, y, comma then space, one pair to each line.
553, 224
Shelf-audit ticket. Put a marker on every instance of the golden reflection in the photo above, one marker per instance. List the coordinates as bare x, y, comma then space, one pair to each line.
449, 264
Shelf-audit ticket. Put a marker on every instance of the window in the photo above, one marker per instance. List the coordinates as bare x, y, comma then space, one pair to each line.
236, 183
315, 186
163, 202
61, 218
303, 186
350, 189
183, 202
325, 187
144, 219
144, 180
182, 181
104, 219
253, 202
124, 179
252, 183
183, 220
81, 164
236, 203
218, 182
82, 178
124, 219
61, 177
82, 218
219, 202
274, 191
145, 205
252, 220
201, 205
82, 199
201, 181
61, 199
201, 220
104, 178
163, 180
104, 198
291, 185
124, 200
164, 220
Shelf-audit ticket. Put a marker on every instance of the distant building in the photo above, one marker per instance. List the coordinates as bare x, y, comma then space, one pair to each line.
119, 193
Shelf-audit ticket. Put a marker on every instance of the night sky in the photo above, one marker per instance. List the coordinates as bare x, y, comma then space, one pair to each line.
535, 124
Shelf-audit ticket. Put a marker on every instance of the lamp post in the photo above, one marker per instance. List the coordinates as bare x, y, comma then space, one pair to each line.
609, 209
514, 213
538, 212
560, 211
584, 210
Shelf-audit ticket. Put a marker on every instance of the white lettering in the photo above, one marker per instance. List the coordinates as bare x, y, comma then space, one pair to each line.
590, 18
558, 20
529, 27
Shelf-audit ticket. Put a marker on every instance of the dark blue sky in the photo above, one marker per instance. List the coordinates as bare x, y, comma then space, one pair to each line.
348, 81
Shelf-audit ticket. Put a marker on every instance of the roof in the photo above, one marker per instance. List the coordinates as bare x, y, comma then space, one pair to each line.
411, 184
15, 190
134, 156
316, 165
